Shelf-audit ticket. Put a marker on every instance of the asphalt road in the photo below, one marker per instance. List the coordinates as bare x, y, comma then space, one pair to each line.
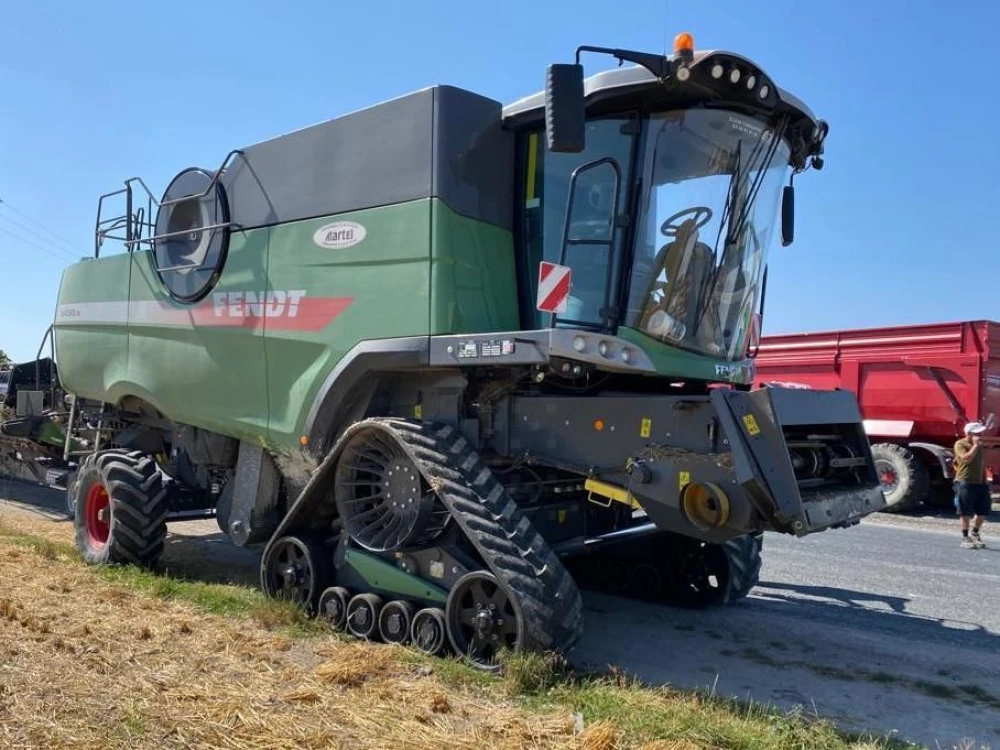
885, 626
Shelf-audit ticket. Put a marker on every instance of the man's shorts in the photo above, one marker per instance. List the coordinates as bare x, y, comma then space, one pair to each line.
973, 499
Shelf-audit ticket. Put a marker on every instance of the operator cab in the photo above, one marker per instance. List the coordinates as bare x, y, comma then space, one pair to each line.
657, 187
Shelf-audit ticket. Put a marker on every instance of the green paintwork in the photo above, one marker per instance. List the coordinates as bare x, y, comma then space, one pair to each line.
383, 576
422, 269
93, 358
473, 278
387, 275
670, 361
211, 377
54, 435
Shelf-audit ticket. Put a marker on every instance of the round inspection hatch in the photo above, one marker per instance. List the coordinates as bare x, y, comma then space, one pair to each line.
194, 239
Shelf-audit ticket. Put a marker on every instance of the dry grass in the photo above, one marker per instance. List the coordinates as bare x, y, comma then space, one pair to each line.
125, 659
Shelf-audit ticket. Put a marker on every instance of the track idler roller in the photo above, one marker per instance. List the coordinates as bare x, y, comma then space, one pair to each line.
363, 612
295, 570
332, 607
429, 631
395, 621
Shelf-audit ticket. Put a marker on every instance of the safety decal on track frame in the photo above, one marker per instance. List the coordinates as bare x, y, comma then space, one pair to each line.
752, 427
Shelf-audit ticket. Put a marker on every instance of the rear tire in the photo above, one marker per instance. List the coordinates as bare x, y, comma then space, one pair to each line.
121, 507
905, 479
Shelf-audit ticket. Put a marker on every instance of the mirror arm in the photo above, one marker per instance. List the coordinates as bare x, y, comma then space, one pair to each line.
658, 65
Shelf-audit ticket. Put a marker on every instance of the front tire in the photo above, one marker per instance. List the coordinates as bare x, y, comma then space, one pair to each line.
121, 507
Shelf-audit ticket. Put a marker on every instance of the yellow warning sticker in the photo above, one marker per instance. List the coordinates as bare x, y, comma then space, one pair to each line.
562, 515
683, 479
646, 428
418, 411
751, 423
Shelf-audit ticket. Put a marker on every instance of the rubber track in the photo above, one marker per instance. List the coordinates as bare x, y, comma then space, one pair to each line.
513, 550
743, 556
139, 506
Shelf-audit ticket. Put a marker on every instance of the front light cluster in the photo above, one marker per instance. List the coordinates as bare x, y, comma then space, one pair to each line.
735, 75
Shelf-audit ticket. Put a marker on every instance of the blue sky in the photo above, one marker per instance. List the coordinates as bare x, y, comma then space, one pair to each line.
900, 227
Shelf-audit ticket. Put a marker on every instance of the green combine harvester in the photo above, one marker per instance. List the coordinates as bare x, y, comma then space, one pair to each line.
447, 361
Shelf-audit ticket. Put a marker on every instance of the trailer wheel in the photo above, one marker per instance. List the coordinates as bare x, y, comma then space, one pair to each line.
121, 509
905, 479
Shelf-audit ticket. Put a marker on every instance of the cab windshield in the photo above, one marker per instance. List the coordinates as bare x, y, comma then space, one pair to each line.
712, 179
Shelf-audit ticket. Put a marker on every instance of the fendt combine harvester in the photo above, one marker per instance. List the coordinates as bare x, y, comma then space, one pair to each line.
446, 360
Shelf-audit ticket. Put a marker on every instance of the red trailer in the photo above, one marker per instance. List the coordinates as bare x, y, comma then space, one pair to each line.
917, 386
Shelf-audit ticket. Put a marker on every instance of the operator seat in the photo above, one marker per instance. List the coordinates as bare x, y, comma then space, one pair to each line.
687, 264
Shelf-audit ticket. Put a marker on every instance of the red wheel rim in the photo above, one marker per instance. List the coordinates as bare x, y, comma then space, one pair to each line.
97, 512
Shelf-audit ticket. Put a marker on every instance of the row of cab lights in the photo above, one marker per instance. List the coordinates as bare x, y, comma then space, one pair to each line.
603, 348
684, 49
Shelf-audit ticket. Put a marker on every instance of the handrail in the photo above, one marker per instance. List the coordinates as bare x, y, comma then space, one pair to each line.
134, 222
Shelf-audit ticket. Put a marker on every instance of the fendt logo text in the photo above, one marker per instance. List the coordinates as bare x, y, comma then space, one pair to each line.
274, 304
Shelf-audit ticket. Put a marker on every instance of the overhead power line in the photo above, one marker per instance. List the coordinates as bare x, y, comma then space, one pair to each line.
62, 240
35, 235
65, 256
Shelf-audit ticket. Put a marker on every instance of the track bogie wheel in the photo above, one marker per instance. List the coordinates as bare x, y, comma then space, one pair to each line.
429, 631
483, 619
120, 510
295, 570
363, 615
395, 620
332, 607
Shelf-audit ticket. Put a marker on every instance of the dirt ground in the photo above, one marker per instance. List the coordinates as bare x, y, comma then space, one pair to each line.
862, 626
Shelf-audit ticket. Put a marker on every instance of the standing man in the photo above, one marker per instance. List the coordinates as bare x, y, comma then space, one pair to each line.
971, 490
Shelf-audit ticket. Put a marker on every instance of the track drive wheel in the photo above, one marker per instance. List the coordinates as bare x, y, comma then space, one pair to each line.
704, 574
483, 619
429, 632
295, 570
120, 510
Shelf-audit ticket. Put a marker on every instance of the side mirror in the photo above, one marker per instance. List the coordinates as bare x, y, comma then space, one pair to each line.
565, 123
787, 216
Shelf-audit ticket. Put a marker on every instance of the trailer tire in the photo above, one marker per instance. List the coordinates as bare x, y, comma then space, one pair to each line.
121, 509
911, 479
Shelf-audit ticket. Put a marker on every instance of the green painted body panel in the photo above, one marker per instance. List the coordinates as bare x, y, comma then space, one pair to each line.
679, 363
474, 282
93, 358
387, 279
379, 574
208, 376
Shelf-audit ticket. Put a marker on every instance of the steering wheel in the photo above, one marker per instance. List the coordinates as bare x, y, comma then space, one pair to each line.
669, 229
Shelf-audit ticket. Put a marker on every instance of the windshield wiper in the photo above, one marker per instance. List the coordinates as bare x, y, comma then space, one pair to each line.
735, 228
